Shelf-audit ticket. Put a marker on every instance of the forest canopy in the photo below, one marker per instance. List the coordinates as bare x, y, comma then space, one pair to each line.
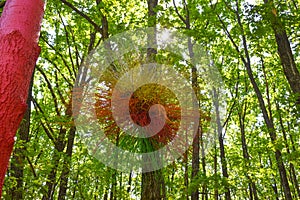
246, 135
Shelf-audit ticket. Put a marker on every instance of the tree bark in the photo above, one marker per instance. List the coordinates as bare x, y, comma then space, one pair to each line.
151, 186
152, 181
252, 185
19, 32
222, 146
18, 159
195, 164
216, 191
196, 141
67, 165
151, 52
267, 117
290, 69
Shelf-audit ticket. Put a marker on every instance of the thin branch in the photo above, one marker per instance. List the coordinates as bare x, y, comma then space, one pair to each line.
68, 42
58, 91
56, 67
50, 88
96, 26
229, 36
31, 167
177, 12
76, 50
58, 53
247, 64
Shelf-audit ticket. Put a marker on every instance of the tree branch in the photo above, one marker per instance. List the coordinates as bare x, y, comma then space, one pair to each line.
96, 26
177, 12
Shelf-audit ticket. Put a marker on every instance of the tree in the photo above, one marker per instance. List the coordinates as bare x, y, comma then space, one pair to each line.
284, 49
260, 123
20, 26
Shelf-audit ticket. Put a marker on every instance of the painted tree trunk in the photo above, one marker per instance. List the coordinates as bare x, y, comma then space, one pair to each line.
19, 32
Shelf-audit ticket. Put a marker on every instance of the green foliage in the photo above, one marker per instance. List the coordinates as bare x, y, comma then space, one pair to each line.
67, 38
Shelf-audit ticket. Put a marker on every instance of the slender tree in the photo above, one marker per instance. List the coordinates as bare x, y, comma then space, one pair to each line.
290, 69
152, 181
18, 159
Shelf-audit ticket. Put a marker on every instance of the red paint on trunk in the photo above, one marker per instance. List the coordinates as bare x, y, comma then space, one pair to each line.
19, 30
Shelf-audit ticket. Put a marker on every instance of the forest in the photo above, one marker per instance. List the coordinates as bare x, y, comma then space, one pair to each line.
160, 100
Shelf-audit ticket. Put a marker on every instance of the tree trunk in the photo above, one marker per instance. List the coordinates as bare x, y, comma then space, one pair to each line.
186, 174
290, 69
196, 140
151, 52
151, 187
67, 165
152, 181
267, 117
222, 147
19, 52
216, 184
195, 164
18, 159
252, 185
273, 182
203, 162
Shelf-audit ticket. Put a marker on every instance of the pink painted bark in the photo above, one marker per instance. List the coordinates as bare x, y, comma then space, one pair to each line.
19, 32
